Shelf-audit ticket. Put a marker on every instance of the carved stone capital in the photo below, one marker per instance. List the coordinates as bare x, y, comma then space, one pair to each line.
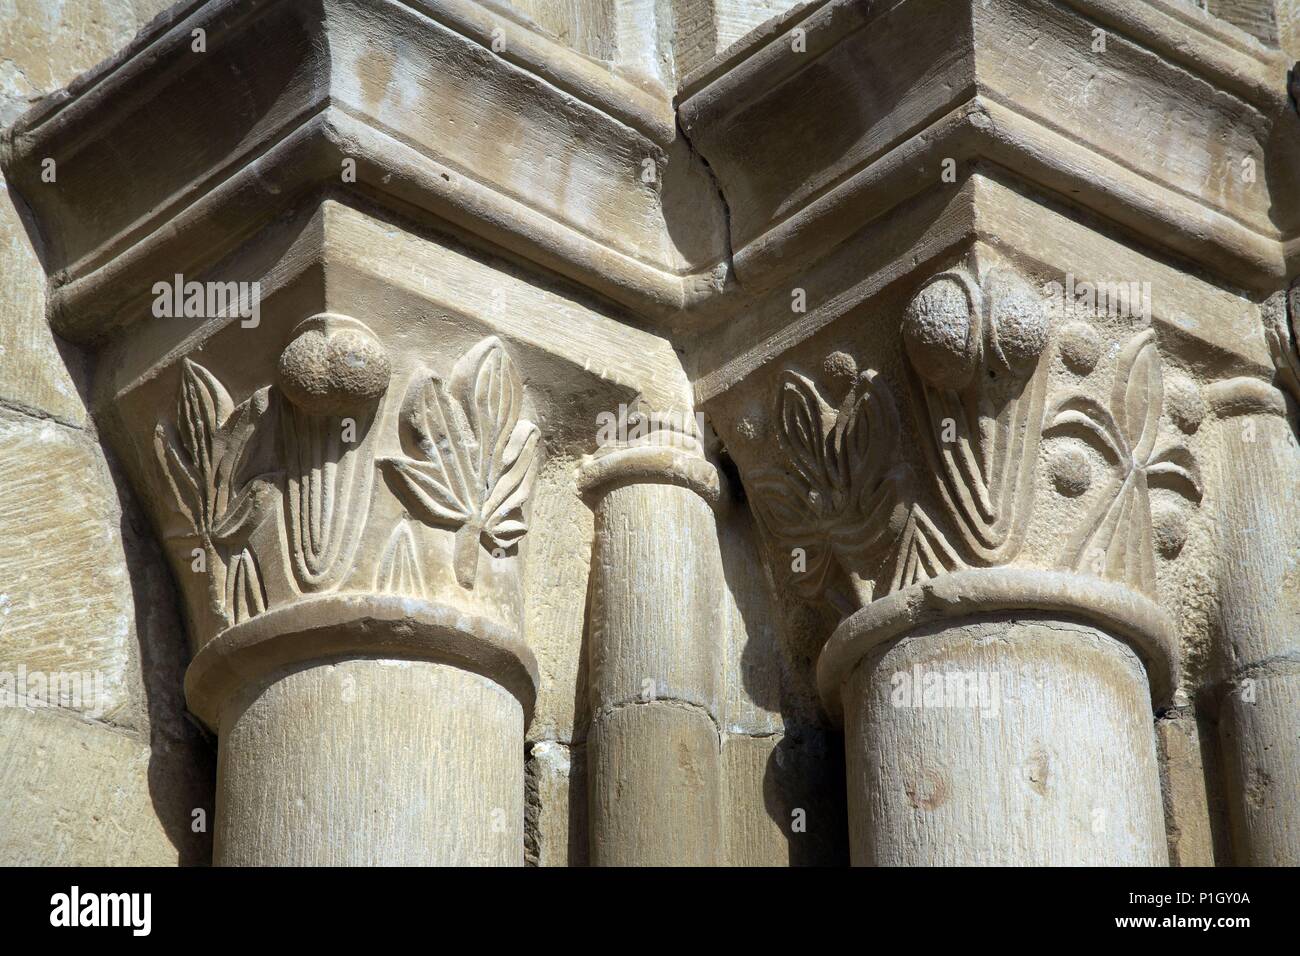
331, 484
649, 447
1004, 460
1005, 409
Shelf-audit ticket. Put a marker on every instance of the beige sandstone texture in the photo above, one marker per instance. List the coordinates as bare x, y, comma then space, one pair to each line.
662, 432
114, 780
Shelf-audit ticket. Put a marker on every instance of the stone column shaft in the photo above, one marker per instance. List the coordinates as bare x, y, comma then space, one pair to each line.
371, 762
654, 742
1011, 741
1259, 621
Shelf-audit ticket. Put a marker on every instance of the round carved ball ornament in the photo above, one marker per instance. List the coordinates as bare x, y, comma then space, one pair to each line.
1070, 469
941, 332
334, 365
952, 326
1080, 347
1169, 528
1184, 403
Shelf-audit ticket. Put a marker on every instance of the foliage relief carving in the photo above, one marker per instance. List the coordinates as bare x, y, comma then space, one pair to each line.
836, 498
209, 462
978, 362
1115, 540
976, 351
474, 459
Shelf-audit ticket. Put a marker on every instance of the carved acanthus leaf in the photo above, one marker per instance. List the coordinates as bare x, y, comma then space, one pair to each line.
477, 458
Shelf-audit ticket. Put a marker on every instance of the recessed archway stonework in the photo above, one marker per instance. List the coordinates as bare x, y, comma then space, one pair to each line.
698, 433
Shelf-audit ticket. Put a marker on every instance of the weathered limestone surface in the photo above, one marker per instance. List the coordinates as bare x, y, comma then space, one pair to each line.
555, 822
1260, 619
1057, 766
654, 742
84, 592
67, 596
783, 799
322, 751
76, 793
86, 609
661, 40
1197, 836
601, 426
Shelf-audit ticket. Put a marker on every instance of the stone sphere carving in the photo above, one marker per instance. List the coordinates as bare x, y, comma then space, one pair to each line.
1018, 318
1184, 403
1070, 469
941, 332
841, 370
1080, 347
1168, 528
334, 366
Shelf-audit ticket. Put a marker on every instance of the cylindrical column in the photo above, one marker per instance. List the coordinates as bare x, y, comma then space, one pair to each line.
1259, 617
653, 745
992, 720
366, 730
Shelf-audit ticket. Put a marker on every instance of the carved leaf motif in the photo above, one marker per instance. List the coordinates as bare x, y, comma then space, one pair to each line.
979, 404
1085, 413
208, 456
189, 459
1174, 467
399, 568
923, 553
1138, 394
510, 487
1280, 333
833, 499
486, 386
181, 480
478, 458
328, 478
203, 409
245, 597
206, 461
782, 506
1115, 540
803, 433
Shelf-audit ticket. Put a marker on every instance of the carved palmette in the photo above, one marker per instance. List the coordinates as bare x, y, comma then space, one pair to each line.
977, 352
